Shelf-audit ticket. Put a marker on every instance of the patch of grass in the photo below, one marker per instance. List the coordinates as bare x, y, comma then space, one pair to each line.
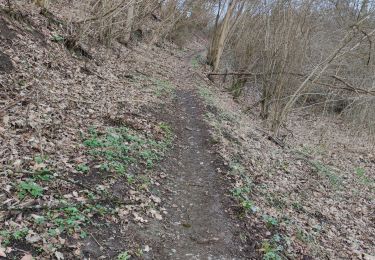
275, 201
163, 88
313, 150
7, 236
326, 172
363, 177
118, 148
196, 61
72, 219
209, 98
206, 95
20, 233
57, 38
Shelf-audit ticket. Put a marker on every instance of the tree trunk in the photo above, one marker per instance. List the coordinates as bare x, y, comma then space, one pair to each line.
129, 22
219, 38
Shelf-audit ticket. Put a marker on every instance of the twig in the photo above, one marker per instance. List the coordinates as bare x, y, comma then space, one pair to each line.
96, 241
272, 138
14, 103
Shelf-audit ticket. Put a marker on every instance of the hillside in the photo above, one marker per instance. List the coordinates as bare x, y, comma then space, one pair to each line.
131, 151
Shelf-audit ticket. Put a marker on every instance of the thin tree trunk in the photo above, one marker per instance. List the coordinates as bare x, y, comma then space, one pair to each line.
129, 22
223, 32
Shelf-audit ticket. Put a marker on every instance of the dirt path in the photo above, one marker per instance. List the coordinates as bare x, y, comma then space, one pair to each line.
198, 226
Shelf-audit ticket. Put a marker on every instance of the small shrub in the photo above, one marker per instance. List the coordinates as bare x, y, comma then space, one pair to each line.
29, 188
123, 256
270, 221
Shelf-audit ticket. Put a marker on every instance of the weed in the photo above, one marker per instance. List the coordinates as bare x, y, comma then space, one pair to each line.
29, 188
39, 220
276, 201
123, 256
270, 221
5, 237
118, 148
298, 207
270, 250
40, 159
163, 88
139, 252
198, 59
20, 234
82, 168
241, 193
57, 38
303, 236
327, 172
43, 174
361, 173
206, 94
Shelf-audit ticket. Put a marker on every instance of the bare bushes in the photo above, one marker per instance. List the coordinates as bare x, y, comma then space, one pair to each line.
303, 54
182, 19
107, 21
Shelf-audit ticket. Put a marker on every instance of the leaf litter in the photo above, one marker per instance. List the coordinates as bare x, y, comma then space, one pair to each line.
78, 149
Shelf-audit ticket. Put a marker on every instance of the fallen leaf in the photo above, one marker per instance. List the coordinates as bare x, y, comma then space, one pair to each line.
33, 239
27, 257
2, 252
156, 214
59, 255
155, 199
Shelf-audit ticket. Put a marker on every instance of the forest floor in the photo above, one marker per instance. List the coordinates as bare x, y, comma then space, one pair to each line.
131, 152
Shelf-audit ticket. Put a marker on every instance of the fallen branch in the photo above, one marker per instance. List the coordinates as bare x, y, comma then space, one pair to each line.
272, 138
347, 86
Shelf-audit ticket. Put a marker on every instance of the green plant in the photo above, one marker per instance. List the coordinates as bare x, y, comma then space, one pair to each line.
29, 188
327, 172
83, 168
123, 256
163, 88
304, 236
6, 236
40, 159
270, 221
206, 94
196, 60
20, 234
241, 194
360, 172
44, 174
117, 148
270, 250
57, 38
297, 206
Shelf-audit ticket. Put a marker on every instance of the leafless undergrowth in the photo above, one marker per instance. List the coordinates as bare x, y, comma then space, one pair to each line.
301, 54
